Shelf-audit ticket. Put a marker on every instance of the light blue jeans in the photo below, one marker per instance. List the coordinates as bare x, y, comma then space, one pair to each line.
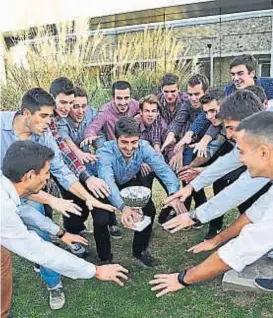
51, 278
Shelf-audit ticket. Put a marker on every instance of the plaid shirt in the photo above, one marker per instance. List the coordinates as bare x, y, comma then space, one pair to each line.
173, 118
70, 159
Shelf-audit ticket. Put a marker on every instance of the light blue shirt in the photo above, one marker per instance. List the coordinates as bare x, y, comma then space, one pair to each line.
67, 128
57, 165
114, 170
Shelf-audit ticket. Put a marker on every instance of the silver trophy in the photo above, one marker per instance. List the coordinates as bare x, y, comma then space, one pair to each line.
137, 197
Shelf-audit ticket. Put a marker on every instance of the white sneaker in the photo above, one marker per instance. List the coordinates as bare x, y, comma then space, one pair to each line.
78, 250
56, 298
270, 254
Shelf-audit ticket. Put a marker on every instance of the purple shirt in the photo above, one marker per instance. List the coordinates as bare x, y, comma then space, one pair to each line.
156, 133
106, 119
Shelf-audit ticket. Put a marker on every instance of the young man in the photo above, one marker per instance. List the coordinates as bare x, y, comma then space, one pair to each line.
71, 129
234, 109
251, 234
121, 105
25, 171
32, 123
243, 72
119, 166
191, 124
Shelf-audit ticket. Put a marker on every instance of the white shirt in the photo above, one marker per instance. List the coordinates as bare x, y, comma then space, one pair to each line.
255, 239
27, 244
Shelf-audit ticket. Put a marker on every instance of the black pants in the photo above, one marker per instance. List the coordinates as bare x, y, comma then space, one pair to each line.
75, 224
225, 181
102, 218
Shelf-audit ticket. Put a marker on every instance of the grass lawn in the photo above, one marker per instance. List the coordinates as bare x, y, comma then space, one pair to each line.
102, 299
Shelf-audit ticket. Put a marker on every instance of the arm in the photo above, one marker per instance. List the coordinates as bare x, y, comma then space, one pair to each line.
213, 131
217, 169
97, 124
199, 124
230, 197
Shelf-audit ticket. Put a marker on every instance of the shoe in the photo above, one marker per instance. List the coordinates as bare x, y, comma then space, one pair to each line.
78, 250
146, 259
56, 298
198, 225
36, 268
270, 254
265, 284
211, 234
166, 216
115, 232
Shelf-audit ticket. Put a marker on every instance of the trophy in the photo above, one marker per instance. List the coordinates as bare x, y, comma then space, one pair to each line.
137, 197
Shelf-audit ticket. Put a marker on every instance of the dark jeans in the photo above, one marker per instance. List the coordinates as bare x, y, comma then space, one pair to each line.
102, 218
200, 196
75, 224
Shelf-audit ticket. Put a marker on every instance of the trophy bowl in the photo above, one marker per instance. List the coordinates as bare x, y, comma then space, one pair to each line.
136, 197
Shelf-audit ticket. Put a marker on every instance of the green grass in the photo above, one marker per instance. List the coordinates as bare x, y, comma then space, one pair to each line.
93, 298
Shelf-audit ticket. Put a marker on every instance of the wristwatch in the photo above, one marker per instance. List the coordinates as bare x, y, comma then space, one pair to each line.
61, 233
181, 277
192, 215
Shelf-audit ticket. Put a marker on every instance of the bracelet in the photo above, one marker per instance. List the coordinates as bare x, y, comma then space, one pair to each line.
61, 233
181, 277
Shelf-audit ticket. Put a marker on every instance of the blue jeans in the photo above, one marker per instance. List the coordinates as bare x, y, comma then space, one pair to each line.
50, 277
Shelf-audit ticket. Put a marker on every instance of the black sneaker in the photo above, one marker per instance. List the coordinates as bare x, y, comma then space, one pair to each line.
211, 234
115, 232
166, 215
36, 268
146, 259
78, 250
265, 284
198, 225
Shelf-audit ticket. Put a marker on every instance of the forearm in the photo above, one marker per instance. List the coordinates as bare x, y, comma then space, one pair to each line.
41, 197
71, 145
77, 189
208, 269
232, 231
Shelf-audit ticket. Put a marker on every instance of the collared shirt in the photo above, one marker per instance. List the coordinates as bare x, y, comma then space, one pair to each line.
173, 119
255, 239
154, 134
27, 244
57, 166
68, 128
106, 119
114, 170
265, 82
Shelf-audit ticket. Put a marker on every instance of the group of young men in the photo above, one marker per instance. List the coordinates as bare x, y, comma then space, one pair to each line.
202, 137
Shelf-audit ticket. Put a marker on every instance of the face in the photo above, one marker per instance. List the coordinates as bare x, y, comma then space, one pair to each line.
195, 93
38, 122
171, 93
127, 145
64, 104
79, 109
231, 125
212, 109
36, 182
241, 77
257, 157
149, 113
121, 99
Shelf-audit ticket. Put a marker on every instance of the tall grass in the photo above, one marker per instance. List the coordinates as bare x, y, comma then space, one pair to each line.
93, 61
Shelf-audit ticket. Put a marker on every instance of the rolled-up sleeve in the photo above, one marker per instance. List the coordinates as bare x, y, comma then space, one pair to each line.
97, 124
213, 131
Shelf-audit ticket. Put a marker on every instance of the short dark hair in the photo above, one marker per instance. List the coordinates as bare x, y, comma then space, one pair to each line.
35, 98
199, 79
246, 59
258, 126
23, 156
239, 105
120, 85
79, 92
259, 91
61, 85
127, 126
150, 99
169, 79
212, 94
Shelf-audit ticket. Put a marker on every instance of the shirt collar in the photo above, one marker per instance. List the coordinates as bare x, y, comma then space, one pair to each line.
10, 189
